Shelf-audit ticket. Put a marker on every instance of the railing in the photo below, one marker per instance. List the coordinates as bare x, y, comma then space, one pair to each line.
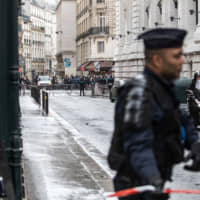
42, 98
100, 30
101, 90
35, 93
94, 31
37, 42
100, 1
96, 90
82, 12
38, 60
39, 28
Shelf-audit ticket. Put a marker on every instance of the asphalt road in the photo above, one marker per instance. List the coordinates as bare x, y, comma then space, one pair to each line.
93, 118
57, 162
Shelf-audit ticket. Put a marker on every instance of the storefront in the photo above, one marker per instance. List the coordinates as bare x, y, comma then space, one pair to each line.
98, 68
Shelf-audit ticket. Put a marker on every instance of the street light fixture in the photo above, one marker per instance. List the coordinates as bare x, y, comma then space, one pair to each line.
157, 24
130, 32
57, 32
191, 11
174, 18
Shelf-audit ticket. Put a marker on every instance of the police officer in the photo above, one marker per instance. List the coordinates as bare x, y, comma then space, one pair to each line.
151, 131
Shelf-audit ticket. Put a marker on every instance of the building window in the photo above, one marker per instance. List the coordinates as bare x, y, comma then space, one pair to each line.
146, 22
102, 22
147, 11
160, 6
176, 4
100, 47
100, 1
197, 12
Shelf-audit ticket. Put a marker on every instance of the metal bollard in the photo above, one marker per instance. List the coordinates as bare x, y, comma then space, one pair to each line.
2, 188
47, 103
43, 102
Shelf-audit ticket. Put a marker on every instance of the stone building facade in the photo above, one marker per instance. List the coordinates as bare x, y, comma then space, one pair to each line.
135, 16
66, 38
95, 34
36, 38
24, 41
50, 41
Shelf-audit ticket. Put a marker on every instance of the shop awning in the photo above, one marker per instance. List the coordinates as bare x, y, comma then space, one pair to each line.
104, 65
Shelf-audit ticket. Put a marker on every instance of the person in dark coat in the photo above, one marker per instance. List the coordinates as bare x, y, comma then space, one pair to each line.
151, 131
21, 86
54, 80
194, 101
82, 85
92, 84
110, 82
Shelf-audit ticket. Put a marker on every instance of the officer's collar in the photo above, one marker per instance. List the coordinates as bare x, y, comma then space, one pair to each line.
149, 72
169, 85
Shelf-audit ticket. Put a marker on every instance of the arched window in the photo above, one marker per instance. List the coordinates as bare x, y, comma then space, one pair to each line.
160, 6
159, 11
123, 18
175, 4
197, 12
174, 18
192, 14
146, 13
146, 24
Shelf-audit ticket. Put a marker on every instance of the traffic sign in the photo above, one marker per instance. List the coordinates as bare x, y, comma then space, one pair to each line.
67, 62
97, 66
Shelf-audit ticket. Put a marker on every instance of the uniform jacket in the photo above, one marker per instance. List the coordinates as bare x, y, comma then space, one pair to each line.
135, 112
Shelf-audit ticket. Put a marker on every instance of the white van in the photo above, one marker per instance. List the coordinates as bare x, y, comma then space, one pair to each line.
44, 81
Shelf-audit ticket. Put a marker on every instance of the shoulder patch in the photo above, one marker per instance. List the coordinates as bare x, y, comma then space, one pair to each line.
137, 108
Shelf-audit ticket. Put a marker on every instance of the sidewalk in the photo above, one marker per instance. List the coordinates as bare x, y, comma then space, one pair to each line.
56, 166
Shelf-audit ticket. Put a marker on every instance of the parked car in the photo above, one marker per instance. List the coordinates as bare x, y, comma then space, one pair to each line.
181, 85
114, 90
44, 82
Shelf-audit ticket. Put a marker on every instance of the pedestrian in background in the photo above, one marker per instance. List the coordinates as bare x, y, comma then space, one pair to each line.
21, 86
151, 131
92, 84
195, 86
26, 83
82, 85
110, 82
194, 100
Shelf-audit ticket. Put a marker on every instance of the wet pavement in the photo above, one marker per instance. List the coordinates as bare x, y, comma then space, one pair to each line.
62, 164
56, 166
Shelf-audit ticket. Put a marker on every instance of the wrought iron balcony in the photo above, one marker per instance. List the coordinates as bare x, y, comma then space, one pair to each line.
38, 28
39, 60
94, 31
100, 30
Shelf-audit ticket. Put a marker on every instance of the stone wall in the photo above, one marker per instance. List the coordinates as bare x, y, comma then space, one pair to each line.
135, 16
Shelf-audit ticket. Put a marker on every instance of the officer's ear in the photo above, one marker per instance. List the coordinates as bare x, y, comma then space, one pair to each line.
157, 61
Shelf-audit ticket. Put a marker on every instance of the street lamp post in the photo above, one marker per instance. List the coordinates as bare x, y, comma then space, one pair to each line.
10, 134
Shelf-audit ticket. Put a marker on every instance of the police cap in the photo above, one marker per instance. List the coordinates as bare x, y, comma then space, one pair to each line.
160, 38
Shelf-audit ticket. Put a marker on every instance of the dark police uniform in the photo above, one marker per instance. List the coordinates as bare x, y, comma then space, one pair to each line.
151, 131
